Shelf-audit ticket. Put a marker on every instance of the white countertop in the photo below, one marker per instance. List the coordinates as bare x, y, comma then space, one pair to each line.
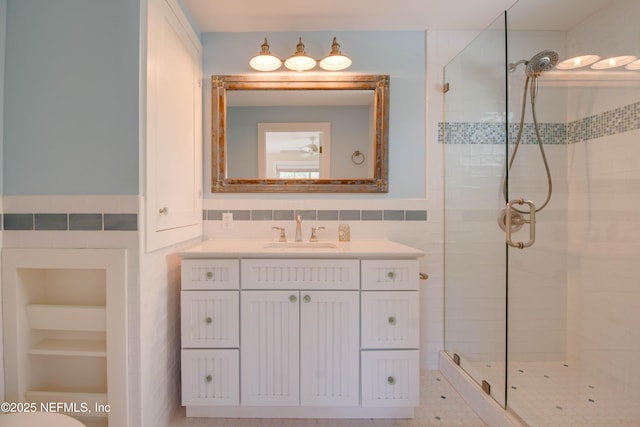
257, 249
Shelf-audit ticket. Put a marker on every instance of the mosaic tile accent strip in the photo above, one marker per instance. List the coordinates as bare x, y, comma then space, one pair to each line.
494, 133
612, 122
69, 222
319, 215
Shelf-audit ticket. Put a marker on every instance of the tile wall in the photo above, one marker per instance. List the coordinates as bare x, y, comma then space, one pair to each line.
570, 295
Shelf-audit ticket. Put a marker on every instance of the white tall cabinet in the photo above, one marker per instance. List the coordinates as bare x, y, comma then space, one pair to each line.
173, 131
300, 334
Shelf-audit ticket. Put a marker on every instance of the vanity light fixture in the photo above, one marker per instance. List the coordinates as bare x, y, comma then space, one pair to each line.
264, 61
335, 61
300, 60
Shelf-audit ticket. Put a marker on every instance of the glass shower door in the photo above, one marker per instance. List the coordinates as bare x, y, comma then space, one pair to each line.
474, 135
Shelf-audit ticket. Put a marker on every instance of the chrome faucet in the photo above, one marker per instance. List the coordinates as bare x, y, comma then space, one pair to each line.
298, 229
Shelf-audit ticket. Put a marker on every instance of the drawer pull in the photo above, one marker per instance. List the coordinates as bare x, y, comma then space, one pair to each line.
306, 298
392, 320
209, 275
391, 380
208, 379
293, 298
391, 275
208, 320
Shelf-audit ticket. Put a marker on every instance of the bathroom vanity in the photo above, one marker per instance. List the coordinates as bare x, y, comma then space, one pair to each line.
300, 329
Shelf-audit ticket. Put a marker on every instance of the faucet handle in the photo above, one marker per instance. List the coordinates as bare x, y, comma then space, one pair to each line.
283, 237
313, 237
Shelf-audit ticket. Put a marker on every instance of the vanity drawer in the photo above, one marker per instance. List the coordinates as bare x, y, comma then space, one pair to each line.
390, 274
390, 378
210, 377
390, 319
210, 319
210, 274
300, 273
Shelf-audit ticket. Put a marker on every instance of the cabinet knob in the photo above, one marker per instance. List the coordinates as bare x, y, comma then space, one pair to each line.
208, 320
391, 275
392, 320
307, 298
209, 274
293, 298
391, 380
208, 378
164, 210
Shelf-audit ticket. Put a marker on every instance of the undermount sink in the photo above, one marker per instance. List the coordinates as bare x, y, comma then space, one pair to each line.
323, 245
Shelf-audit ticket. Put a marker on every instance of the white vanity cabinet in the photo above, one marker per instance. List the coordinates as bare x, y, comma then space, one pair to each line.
300, 333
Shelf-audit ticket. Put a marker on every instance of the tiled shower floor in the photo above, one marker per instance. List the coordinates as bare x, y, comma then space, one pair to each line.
440, 405
557, 394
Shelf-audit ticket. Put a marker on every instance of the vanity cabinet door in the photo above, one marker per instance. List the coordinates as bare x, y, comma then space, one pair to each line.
329, 348
210, 319
390, 319
210, 377
173, 118
270, 345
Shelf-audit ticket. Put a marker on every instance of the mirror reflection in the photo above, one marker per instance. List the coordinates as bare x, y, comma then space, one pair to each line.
347, 115
300, 133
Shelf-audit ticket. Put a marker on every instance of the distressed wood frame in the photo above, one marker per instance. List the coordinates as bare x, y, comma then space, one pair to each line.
221, 84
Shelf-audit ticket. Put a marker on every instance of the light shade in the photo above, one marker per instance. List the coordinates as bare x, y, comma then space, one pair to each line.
300, 61
577, 62
264, 61
335, 61
613, 62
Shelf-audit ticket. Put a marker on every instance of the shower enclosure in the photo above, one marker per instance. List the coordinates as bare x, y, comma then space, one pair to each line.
549, 326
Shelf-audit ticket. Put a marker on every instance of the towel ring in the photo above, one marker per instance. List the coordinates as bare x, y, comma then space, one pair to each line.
357, 155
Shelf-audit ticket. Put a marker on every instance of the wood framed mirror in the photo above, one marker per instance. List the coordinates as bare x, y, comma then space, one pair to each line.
306, 111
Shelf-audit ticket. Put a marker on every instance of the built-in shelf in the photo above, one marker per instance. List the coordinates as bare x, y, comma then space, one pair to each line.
55, 347
67, 317
64, 321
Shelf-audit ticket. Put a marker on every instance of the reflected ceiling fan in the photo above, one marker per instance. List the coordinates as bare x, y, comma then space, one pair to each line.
309, 150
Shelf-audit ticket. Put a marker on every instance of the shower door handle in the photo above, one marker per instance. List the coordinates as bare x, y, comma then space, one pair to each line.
531, 221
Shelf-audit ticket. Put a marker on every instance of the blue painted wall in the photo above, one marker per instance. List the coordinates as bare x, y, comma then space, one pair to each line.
401, 54
71, 97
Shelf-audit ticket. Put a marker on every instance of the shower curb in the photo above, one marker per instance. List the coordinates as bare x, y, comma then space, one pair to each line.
486, 408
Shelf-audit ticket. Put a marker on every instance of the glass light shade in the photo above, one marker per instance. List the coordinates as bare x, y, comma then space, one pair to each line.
613, 62
577, 62
335, 61
264, 61
635, 65
300, 61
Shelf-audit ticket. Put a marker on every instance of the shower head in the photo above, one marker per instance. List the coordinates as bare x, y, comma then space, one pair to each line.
541, 62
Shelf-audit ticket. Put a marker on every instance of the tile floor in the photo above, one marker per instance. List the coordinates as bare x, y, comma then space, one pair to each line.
440, 405
552, 394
